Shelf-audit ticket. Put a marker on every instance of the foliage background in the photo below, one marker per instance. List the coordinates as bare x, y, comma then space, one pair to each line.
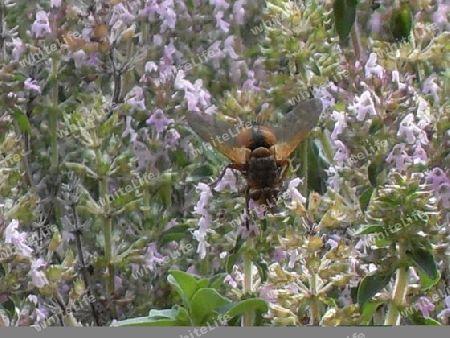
104, 108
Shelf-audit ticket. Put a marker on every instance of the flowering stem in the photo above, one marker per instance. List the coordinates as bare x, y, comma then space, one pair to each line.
314, 306
53, 120
107, 232
401, 283
304, 152
247, 320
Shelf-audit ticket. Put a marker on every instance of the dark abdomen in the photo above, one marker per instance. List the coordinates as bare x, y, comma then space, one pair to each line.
262, 172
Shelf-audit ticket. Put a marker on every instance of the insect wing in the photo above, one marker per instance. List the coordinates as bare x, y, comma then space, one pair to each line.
218, 134
295, 126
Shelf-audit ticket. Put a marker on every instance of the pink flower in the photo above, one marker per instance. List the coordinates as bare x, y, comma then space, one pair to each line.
410, 132
31, 84
55, 3
120, 12
250, 83
13, 236
445, 312
279, 255
167, 15
293, 192
371, 67
38, 278
363, 105
159, 120
436, 177
399, 156
268, 293
230, 280
19, 48
431, 87
425, 306
239, 12
222, 24
41, 26
228, 180
342, 153
136, 98
153, 257
444, 194
340, 125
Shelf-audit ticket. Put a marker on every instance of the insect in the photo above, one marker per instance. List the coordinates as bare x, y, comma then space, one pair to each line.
258, 151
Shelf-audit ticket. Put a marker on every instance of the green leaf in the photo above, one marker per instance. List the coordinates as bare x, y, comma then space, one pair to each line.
426, 282
182, 316
204, 302
202, 283
175, 233
372, 173
80, 168
146, 321
22, 121
344, 17
370, 285
184, 284
216, 281
418, 319
18, 77
401, 23
165, 313
370, 229
424, 260
10, 307
365, 198
232, 259
368, 311
244, 306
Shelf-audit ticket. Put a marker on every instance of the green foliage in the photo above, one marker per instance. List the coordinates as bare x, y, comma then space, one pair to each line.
202, 304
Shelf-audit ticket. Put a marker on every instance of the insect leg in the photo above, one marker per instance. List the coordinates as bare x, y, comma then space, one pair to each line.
247, 207
283, 164
236, 166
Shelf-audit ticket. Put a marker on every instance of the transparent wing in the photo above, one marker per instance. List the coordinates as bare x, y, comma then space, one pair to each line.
220, 134
295, 126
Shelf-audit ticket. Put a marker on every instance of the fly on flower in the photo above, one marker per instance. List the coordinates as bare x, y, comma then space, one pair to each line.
260, 152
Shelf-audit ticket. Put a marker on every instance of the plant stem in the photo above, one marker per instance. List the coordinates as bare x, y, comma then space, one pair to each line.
247, 320
314, 306
304, 152
356, 41
107, 232
401, 284
53, 120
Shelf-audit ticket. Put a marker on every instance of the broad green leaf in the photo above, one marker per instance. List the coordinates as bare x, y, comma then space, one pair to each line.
426, 282
417, 319
369, 309
364, 200
22, 121
401, 23
344, 17
424, 260
216, 281
184, 283
165, 313
232, 259
182, 316
146, 321
372, 284
202, 283
204, 302
244, 306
